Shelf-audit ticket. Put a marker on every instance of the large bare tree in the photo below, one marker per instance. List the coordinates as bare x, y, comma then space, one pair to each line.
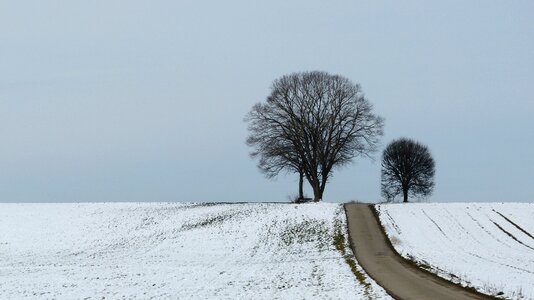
311, 123
408, 169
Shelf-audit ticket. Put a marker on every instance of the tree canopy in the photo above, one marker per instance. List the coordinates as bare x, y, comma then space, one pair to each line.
408, 169
311, 123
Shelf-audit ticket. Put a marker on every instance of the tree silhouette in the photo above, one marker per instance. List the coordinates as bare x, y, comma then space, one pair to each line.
311, 123
408, 169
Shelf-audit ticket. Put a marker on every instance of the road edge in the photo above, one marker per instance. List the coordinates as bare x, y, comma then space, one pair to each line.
414, 265
351, 244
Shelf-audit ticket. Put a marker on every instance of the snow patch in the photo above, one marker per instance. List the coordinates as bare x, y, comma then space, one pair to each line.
487, 246
184, 251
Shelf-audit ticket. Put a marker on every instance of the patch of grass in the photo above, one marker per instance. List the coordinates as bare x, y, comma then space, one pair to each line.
317, 275
425, 266
307, 231
420, 264
208, 221
340, 244
294, 235
207, 204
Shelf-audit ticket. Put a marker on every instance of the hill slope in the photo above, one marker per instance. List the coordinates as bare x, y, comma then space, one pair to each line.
486, 246
186, 251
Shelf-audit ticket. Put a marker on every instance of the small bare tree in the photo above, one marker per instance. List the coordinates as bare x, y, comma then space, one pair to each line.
275, 154
408, 169
311, 123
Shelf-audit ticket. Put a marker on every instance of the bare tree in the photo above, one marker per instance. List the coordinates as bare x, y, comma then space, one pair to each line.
275, 155
311, 123
408, 169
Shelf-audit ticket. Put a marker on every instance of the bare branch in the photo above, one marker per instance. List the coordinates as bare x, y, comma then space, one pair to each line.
408, 169
312, 122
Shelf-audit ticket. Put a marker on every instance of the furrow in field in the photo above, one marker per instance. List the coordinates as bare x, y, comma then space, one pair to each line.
436, 224
463, 230
487, 231
514, 224
486, 246
458, 244
511, 236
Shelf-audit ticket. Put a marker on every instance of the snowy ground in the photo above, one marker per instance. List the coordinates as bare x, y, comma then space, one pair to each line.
486, 246
179, 251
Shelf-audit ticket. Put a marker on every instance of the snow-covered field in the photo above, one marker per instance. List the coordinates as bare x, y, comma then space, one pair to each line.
487, 246
178, 251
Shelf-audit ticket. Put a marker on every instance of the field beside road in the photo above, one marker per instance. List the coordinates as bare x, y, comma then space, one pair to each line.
486, 246
178, 251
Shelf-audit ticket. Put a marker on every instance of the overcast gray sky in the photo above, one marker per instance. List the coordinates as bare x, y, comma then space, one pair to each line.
144, 100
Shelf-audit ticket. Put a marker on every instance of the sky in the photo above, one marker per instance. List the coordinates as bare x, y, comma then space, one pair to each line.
144, 100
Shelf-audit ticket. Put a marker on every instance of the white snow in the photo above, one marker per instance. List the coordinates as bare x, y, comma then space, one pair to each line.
473, 244
178, 251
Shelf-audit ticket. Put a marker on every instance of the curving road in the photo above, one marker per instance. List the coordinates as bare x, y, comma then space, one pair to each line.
398, 277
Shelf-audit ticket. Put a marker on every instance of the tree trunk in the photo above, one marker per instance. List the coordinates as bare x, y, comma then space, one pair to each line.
315, 183
301, 185
317, 193
323, 185
405, 192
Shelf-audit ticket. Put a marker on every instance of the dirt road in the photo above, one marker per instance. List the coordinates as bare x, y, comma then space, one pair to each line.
399, 278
